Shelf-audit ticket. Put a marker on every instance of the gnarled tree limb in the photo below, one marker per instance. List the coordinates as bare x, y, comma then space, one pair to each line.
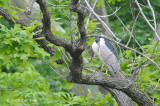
76, 66
46, 30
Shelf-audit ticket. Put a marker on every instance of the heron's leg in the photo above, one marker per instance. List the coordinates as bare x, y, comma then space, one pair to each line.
107, 73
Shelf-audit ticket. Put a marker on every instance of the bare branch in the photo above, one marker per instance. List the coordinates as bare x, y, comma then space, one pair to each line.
90, 15
141, 11
154, 18
114, 12
75, 7
103, 23
125, 27
46, 30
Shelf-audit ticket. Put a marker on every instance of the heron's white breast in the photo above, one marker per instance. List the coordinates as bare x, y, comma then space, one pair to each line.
95, 48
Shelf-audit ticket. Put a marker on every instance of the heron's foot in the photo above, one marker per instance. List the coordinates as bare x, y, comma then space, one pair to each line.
107, 73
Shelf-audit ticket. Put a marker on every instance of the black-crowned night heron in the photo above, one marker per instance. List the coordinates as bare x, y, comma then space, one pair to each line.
106, 52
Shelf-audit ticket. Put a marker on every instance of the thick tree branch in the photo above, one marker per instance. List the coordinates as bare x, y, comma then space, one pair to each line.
43, 43
46, 30
124, 85
75, 7
76, 65
121, 98
5, 14
74, 2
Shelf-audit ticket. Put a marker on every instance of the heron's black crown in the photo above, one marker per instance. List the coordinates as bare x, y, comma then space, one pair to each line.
97, 39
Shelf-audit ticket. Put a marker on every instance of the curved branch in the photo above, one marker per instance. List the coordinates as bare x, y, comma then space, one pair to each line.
124, 85
75, 7
46, 30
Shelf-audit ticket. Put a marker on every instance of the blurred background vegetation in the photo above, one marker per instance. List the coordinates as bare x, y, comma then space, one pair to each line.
26, 76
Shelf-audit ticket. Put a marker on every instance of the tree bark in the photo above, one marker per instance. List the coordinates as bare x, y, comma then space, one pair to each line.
76, 65
121, 98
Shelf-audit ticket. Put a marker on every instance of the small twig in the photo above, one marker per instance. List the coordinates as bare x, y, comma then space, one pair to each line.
63, 54
90, 15
94, 31
69, 56
154, 18
123, 35
114, 12
57, 72
143, 5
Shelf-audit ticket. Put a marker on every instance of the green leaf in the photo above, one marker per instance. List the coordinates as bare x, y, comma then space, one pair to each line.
24, 56
67, 85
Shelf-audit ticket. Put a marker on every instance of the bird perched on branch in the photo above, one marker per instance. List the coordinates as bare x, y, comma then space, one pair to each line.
107, 54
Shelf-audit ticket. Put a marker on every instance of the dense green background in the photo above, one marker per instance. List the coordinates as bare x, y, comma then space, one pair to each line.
26, 76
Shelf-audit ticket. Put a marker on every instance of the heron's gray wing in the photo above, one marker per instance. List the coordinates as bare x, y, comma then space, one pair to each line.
109, 59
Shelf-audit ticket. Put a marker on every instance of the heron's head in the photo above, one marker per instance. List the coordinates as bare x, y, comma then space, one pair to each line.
97, 39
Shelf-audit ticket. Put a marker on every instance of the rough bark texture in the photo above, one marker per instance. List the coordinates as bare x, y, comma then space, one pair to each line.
124, 85
121, 98
76, 65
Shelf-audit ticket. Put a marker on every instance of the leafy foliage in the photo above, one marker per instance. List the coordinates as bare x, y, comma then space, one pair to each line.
18, 47
26, 77
148, 74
